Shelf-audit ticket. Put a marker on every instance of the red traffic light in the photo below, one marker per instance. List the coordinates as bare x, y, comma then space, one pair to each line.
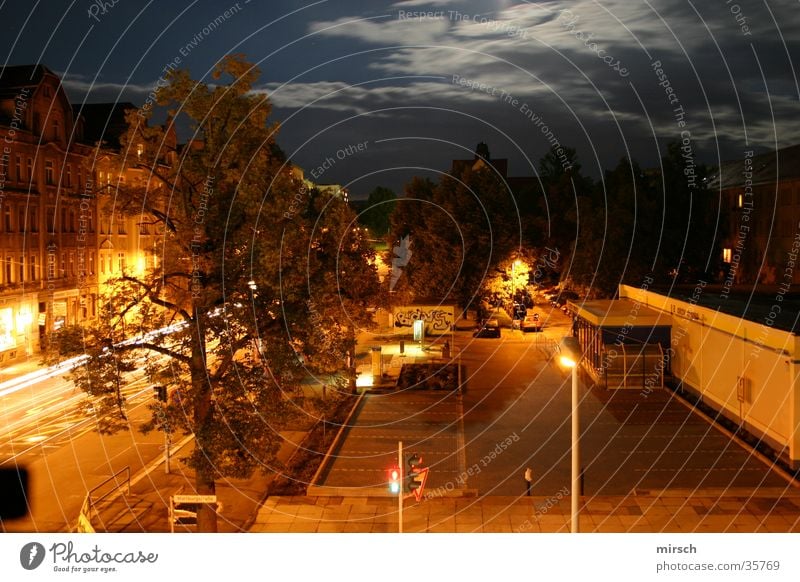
394, 480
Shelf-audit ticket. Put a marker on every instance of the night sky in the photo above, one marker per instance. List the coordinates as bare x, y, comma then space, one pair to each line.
419, 83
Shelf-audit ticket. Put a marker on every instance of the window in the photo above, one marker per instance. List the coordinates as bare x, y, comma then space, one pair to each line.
9, 270
63, 264
68, 176
121, 262
72, 220
102, 264
90, 220
71, 264
740, 200
21, 218
37, 122
49, 173
50, 226
120, 224
144, 228
56, 130
32, 268
29, 170
726, 255
33, 219
21, 268
64, 223
90, 269
7, 221
18, 168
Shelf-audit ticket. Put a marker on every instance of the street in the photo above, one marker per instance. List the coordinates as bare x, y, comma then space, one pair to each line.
515, 413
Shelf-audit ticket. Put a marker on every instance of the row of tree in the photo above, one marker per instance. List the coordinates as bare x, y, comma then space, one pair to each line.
470, 229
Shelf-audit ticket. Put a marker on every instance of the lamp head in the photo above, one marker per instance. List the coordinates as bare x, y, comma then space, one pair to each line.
570, 352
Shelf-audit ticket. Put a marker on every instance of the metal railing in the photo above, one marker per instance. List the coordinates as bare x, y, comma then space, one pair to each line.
89, 507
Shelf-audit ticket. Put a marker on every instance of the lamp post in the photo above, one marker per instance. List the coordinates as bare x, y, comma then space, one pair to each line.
571, 355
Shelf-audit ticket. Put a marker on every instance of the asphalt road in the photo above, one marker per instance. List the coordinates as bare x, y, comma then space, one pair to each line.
515, 413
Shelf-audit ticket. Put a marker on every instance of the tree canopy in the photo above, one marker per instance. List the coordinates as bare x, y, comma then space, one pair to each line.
259, 280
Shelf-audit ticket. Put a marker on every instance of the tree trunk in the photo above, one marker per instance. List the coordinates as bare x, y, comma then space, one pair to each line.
203, 414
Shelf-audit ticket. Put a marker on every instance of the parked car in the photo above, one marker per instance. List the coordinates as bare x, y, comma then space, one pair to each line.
532, 322
489, 328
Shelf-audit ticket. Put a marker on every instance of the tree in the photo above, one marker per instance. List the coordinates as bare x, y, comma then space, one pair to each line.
687, 244
258, 280
460, 228
616, 239
380, 205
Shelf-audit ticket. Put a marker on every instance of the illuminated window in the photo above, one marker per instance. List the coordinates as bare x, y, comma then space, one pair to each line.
49, 173
726, 255
740, 201
21, 269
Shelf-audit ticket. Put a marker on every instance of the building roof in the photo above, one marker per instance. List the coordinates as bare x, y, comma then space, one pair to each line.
460, 166
768, 168
13, 78
103, 122
619, 313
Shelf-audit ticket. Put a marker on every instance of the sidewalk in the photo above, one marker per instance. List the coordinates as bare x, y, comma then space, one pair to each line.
146, 509
726, 512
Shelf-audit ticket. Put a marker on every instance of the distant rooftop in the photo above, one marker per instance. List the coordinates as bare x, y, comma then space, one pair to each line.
103, 122
767, 168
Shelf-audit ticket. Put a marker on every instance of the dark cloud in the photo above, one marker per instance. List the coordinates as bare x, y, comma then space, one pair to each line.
420, 87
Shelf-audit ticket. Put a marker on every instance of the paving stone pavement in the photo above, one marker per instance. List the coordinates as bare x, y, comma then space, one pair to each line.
669, 512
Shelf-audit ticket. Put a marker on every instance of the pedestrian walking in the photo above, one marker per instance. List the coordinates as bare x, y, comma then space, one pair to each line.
528, 480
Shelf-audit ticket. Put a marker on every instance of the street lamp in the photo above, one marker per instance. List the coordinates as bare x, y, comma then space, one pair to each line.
569, 357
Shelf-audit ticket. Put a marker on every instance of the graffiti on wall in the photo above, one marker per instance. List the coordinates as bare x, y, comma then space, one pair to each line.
438, 319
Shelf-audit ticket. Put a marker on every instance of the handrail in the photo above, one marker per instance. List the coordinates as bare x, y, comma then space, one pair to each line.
89, 504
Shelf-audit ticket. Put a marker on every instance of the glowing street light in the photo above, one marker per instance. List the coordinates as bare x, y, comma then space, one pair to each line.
570, 356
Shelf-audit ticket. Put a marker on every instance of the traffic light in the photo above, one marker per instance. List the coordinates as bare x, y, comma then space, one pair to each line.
413, 477
394, 480
160, 392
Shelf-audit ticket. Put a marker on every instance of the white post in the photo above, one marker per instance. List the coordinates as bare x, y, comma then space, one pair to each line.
576, 455
400, 493
166, 450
